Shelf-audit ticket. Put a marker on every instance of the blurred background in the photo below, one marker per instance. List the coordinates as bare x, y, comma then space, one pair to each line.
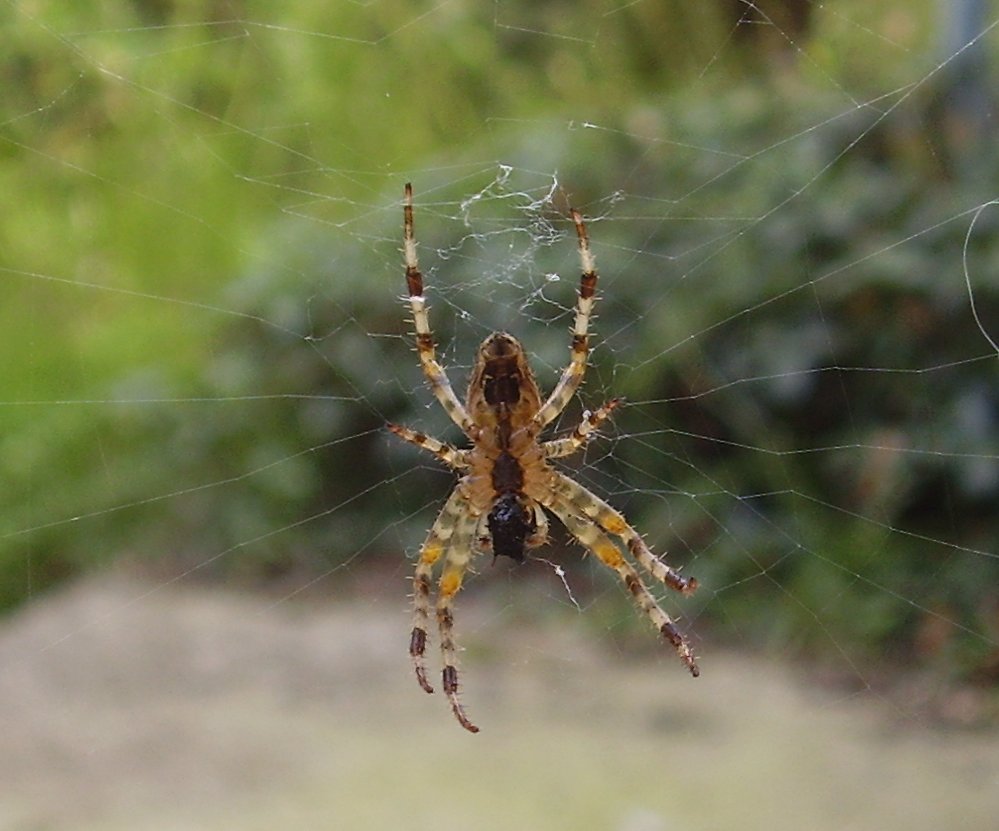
206, 534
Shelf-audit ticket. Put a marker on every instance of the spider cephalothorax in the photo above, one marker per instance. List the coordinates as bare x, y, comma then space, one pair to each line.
507, 480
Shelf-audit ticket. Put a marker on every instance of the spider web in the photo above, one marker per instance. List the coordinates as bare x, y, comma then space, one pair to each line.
797, 298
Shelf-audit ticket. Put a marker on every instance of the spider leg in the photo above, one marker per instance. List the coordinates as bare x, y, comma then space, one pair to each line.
540, 535
451, 456
441, 532
572, 375
586, 529
436, 377
594, 508
557, 448
459, 552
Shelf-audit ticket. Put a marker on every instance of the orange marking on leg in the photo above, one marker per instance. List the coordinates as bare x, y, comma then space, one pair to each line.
613, 523
450, 582
432, 553
608, 553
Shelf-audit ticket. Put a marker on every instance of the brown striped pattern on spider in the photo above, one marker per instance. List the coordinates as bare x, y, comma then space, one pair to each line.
507, 482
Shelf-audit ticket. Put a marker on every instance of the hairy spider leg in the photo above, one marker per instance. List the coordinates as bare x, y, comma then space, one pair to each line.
613, 522
451, 456
434, 372
439, 537
540, 536
572, 375
585, 529
558, 448
458, 553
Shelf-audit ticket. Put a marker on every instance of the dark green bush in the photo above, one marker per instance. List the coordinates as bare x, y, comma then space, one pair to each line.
810, 399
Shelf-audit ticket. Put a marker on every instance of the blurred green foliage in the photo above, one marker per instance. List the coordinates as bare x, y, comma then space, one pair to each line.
810, 398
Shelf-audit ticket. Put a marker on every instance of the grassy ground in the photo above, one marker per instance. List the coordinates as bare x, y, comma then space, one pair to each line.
126, 707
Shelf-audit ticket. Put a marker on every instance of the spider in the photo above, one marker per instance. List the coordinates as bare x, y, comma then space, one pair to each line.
507, 481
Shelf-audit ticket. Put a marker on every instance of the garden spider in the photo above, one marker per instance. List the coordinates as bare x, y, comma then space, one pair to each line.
507, 482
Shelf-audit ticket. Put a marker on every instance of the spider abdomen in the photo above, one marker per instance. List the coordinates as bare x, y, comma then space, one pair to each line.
502, 389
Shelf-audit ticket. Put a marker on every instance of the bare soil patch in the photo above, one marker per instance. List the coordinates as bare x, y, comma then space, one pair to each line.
127, 705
